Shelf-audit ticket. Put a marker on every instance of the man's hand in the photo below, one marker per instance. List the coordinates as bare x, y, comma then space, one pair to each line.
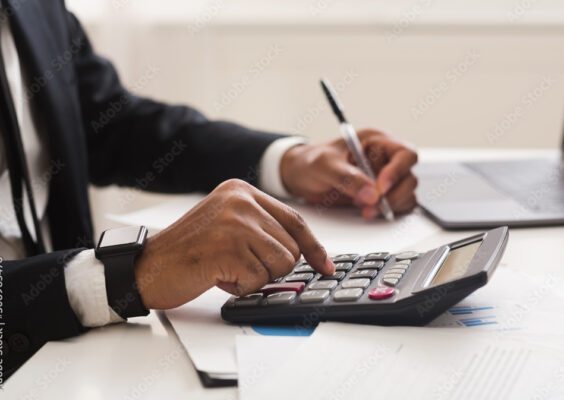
326, 174
237, 238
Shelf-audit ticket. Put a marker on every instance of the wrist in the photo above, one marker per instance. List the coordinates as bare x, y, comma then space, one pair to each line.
289, 166
145, 270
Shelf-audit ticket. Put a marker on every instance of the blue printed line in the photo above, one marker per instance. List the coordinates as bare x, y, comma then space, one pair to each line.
480, 323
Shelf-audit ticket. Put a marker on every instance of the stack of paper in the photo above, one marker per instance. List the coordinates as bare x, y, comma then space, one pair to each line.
341, 361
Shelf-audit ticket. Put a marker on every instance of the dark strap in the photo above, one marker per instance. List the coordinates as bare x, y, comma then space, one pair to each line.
17, 166
121, 286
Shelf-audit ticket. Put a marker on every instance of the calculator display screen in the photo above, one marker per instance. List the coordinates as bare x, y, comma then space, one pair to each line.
457, 262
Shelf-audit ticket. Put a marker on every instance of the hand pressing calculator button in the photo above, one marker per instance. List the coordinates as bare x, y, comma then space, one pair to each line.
401, 296
347, 294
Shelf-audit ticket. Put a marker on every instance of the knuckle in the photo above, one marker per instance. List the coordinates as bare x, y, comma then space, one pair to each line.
234, 184
298, 220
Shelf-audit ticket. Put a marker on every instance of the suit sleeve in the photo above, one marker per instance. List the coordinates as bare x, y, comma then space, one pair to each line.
36, 307
139, 142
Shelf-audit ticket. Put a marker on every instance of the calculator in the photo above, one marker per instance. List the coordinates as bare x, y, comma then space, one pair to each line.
407, 288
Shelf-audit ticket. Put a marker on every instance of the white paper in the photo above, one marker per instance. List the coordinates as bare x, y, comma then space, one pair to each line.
415, 363
210, 341
511, 301
340, 230
258, 356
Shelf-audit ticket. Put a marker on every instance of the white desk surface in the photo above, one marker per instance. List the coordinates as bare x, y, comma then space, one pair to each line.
144, 358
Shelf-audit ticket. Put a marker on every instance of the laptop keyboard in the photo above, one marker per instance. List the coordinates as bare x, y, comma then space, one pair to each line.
538, 185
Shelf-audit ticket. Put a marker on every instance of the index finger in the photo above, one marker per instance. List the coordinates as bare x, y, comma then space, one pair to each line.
295, 225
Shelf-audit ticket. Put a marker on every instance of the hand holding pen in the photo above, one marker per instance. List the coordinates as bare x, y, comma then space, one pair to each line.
351, 138
344, 171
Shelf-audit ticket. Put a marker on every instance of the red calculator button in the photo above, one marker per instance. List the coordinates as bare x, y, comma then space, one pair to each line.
297, 287
381, 293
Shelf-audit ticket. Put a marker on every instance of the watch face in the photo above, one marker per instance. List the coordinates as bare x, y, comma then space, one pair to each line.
130, 235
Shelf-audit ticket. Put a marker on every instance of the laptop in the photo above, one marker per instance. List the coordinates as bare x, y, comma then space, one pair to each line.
487, 194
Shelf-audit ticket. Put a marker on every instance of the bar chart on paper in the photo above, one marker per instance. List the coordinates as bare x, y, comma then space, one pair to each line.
473, 316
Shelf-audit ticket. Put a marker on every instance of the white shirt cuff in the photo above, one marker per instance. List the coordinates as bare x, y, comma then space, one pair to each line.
86, 289
270, 179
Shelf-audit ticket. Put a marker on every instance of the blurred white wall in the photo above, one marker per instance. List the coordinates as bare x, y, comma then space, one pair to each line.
432, 72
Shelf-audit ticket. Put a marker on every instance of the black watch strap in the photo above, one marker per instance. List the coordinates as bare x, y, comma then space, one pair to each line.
121, 286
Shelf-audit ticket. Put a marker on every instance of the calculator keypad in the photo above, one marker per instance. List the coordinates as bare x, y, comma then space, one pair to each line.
353, 278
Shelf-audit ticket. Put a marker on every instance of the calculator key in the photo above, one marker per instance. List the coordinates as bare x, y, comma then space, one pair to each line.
314, 296
323, 285
407, 255
371, 265
390, 281
400, 266
343, 266
281, 298
396, 271
397, 276
347, 294
355, 283
403, 262
345, 258
338, 275
250, 300
364, 273
381, 293
305, 277
297, 287
303, 268
379, 256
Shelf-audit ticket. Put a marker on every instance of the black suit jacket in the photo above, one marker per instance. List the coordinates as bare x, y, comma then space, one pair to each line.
97, 132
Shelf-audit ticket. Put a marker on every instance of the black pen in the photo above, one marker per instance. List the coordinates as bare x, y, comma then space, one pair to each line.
351, 138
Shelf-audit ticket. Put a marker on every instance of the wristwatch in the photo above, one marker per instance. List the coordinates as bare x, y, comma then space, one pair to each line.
117, 249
